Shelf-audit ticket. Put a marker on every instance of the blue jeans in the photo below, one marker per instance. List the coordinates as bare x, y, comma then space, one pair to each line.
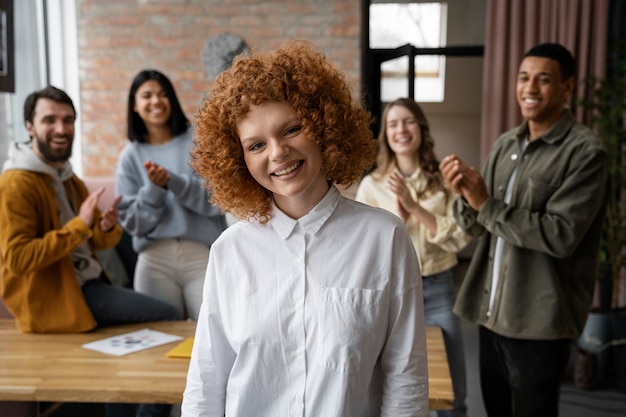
111, 305
439, 298
521, 378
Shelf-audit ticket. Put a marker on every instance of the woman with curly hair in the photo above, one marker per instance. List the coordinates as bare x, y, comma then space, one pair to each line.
407, 182
312, 305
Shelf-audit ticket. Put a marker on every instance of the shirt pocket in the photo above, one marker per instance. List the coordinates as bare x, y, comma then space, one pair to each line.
538, 193
352, 325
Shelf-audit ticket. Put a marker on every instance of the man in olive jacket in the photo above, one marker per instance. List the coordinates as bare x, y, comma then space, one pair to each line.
50, 277
538, 208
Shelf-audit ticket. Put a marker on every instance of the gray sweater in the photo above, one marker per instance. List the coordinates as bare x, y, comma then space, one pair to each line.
182, 210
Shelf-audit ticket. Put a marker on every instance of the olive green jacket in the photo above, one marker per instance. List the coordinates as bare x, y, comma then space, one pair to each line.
551, 231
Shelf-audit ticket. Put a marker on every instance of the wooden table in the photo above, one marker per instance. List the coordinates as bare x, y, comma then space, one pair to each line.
54, 367
440, 393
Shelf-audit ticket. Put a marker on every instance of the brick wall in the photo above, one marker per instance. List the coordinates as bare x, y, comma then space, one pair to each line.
118, 38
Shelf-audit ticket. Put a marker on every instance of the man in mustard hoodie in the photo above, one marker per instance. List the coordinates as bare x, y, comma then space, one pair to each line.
50, 276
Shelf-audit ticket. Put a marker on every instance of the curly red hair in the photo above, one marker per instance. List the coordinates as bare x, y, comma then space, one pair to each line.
319, 95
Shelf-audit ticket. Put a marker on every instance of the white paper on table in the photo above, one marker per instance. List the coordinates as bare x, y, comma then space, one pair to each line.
126, 343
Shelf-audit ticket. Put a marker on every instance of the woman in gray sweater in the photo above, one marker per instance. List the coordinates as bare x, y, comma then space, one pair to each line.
164, 206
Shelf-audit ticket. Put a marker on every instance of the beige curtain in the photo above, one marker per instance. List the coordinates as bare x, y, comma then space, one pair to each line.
513, 27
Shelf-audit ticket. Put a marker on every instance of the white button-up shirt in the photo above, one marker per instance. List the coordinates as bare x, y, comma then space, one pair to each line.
320, 316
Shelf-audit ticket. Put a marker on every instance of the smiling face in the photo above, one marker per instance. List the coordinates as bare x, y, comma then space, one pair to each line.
404, 134
52, 131
542, 92
282, 158
152, 104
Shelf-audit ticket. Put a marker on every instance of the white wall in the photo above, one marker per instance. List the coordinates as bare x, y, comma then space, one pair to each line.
455, 123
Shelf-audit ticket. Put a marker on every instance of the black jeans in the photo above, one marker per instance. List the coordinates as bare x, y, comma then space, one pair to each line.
521, 378
138, 410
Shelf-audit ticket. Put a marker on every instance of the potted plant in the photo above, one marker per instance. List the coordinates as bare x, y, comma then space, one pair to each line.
605, 107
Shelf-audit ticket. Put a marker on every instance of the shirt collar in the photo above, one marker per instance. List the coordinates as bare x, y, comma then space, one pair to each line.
416, 177
311, 222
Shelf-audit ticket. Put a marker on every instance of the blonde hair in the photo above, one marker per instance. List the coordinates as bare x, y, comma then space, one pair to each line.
320, 96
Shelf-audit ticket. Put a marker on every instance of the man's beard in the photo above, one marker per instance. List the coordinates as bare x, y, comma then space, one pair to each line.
52, 155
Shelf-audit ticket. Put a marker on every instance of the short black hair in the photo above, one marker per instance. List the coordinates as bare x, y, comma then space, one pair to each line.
558, 53
49, 92
178, 122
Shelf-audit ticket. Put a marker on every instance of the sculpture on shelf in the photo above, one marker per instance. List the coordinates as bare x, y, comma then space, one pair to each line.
219, 53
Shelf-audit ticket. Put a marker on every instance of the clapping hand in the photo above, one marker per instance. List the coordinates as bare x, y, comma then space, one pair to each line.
109, 217
157, 174
87, 211
406, 204
464, 180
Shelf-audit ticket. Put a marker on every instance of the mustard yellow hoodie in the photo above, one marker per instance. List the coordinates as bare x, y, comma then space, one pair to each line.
38, 282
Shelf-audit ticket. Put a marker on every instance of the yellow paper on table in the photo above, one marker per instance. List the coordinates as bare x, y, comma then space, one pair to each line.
182, 350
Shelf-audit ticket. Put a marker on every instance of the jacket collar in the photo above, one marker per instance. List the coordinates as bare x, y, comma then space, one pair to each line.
558, 131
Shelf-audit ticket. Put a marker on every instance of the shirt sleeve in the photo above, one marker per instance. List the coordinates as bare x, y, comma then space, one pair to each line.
212, 357
365, 192
450, 235
403, 360
466, 217
190, 192
23, 248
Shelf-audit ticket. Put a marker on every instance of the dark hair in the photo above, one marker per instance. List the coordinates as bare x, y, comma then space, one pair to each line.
557, 52
425, 155
178, 122
319, 94
49, 92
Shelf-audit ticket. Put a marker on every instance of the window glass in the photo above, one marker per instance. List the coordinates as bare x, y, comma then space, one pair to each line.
422, 25
29, 72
